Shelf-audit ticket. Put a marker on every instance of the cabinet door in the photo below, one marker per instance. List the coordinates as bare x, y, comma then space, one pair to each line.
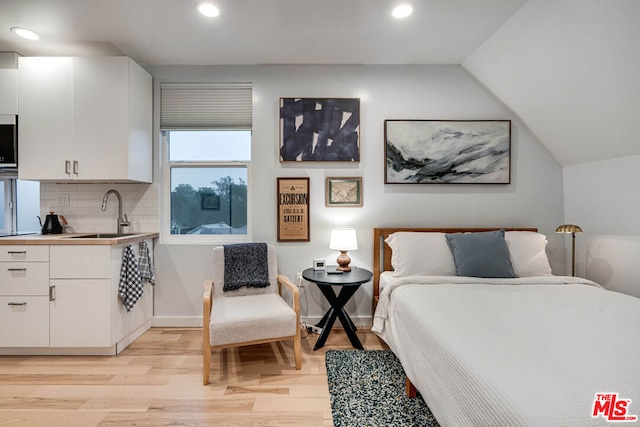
79, 315
45, 125
25, 321
101, 117
8, 91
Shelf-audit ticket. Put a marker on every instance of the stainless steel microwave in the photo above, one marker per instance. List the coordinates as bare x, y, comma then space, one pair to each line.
8, 141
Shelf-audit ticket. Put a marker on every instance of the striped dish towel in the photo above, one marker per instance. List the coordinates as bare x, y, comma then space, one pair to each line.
146, 266
130, 289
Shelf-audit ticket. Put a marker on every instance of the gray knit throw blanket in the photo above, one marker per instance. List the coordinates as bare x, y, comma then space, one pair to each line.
245, 264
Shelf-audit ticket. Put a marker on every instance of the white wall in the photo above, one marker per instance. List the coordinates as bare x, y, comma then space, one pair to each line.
386, 92
602, 198
533, 199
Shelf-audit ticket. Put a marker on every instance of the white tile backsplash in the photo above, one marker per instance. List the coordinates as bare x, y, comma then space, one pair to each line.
140, 202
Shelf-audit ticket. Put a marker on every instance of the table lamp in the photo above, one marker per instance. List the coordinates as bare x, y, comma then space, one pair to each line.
343, 240
571, 229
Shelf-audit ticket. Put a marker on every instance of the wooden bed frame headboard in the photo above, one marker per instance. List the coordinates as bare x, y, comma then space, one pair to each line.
382, 251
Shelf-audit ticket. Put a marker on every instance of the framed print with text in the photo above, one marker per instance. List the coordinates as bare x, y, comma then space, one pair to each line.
293, 210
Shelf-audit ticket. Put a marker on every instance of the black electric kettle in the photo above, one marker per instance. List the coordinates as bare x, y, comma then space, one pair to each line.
51, 224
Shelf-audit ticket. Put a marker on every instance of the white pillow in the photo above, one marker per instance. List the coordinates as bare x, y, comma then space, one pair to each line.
528, 256
420, 254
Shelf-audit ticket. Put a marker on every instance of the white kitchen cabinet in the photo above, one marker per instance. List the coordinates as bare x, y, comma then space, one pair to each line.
63, 299
80, 313
9, 83
84, 119
8, 91
85, 309
25, 321
24, 296
80, 309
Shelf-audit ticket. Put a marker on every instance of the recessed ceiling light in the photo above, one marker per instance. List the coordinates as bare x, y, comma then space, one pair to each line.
208, 9
25, 34
402, 10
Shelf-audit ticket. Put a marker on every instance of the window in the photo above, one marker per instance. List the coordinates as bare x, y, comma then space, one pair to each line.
6, 203
206, 136
19, 204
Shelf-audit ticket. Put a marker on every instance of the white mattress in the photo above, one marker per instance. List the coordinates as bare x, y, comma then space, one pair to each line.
514, 353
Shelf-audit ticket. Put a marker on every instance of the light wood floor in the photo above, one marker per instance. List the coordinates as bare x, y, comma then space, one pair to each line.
157, 381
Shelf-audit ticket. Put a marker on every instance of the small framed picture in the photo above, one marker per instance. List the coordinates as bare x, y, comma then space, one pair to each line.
343, 192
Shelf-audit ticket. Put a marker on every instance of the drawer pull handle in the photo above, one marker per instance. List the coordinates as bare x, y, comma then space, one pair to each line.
16, 269
17, 303
16, 252
52, 293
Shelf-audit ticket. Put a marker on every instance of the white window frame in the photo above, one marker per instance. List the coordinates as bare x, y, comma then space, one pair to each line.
219, 106
9, 185
204, 239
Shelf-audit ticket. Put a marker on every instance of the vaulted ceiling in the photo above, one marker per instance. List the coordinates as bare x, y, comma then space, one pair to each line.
568, 68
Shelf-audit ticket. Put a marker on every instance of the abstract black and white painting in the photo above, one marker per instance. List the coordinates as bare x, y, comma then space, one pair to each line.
319, 129
447, 151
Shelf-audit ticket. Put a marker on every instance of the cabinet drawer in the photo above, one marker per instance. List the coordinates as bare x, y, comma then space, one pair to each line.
24, 253
25, 321
24, 278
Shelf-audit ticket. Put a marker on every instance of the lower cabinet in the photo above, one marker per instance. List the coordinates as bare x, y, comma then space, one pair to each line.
25, 321
80, 313
65, 301
24, 296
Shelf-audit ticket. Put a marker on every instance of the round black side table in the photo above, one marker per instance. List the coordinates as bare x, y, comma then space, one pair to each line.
350, 282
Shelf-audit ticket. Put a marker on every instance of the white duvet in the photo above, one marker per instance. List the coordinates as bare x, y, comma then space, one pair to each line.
513, 352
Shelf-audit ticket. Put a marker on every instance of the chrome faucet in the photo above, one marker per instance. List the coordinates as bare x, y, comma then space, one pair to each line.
122, 222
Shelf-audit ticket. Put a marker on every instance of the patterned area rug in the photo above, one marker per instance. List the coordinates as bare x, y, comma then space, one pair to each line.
367, 388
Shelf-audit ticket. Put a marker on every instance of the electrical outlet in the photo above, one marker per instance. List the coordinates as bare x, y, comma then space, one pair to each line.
299, 279
63, 200
314, 329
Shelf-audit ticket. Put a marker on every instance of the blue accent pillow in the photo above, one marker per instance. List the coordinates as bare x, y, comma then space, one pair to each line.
482, 254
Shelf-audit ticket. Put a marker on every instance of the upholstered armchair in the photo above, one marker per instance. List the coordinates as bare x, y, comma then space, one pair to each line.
243, 302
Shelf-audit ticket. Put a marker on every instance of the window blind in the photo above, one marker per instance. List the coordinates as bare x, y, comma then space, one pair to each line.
205, 106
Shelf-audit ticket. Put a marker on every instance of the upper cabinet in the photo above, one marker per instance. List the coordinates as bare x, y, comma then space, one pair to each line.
84, 119
8, 91
8, 83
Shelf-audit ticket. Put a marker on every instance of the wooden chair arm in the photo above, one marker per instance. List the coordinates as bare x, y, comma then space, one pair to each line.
207, 302
295, 292
207, 296
206, 337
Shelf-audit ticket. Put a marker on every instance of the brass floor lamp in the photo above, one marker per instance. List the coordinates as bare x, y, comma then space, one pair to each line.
571, 229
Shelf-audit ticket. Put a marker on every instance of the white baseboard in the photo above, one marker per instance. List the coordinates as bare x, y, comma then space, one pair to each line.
196, 321
134, 335
359, 321
177, 321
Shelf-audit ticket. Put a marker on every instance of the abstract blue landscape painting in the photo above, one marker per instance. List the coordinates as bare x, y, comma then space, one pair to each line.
319, 129
447, 151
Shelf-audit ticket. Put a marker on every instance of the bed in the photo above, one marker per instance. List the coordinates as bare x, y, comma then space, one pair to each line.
525, 348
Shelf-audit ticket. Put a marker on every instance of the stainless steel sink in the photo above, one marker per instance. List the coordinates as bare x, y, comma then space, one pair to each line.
101, 236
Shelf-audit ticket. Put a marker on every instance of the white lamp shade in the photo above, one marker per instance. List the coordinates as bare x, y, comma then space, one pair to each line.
343, 239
